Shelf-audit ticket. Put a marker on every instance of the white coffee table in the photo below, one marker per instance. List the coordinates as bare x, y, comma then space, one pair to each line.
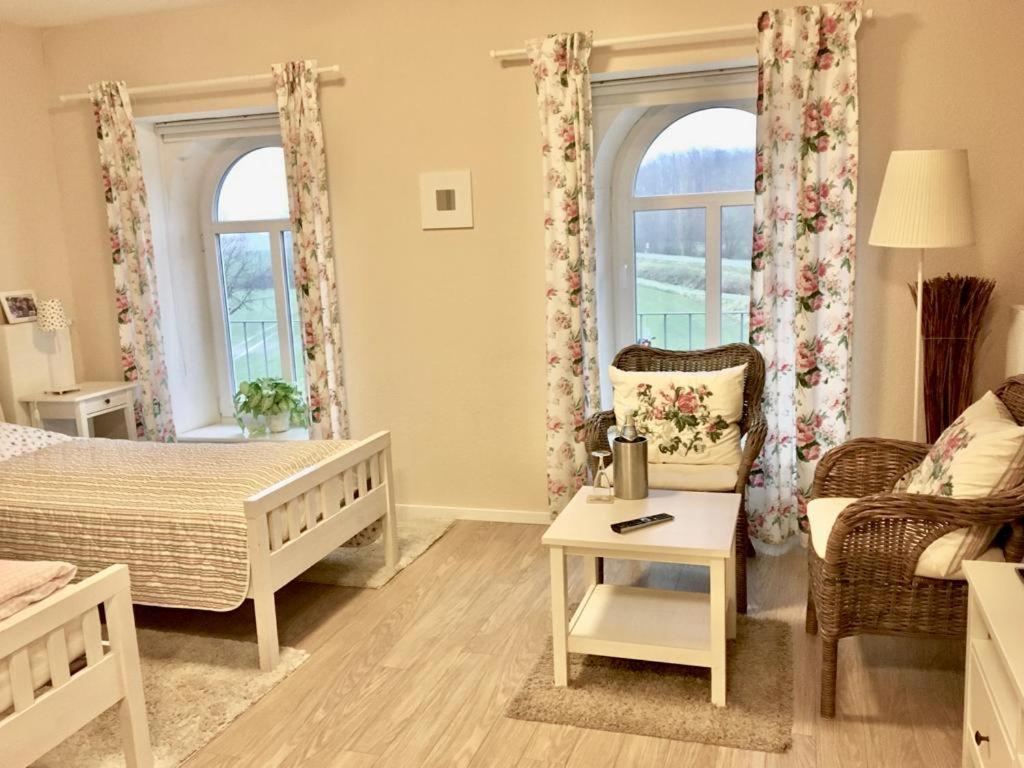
638, 623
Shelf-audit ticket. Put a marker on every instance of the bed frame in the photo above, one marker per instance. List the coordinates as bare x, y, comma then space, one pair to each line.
297, 522
40, 720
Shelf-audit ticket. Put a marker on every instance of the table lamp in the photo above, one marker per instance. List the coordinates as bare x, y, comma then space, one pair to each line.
925, 203
53, 319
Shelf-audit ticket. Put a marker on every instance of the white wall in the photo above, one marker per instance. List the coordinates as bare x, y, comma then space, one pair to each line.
444, 331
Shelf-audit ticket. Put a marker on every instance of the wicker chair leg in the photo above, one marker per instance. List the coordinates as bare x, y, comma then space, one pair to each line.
811, 619
742, 542
829, 657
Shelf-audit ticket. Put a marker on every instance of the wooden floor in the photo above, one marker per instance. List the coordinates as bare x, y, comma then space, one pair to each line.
418, 674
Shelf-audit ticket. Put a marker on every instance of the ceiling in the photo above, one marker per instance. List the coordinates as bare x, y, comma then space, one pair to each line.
55, 13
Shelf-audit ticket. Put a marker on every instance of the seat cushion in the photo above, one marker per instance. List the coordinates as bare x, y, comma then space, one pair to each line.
936, 562
690, 477
688, 417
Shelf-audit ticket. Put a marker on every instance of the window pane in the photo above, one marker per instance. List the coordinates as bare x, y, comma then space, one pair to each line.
670, 277
737, 234
254, 187
711, 150
249, 305
296, 335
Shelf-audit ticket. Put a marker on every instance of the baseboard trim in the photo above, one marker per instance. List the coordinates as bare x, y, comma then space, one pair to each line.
475, 513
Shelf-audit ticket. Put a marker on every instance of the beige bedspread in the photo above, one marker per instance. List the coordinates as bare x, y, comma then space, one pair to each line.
172, 513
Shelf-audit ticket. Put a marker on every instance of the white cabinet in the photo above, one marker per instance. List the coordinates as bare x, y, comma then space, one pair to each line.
28, 364
994, 688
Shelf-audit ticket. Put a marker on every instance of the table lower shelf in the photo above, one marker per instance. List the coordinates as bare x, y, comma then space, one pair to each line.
639, 623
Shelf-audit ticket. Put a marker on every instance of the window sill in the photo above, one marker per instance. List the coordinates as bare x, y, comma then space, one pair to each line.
232, 433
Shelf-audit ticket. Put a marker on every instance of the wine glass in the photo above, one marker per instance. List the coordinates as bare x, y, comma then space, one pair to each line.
601, 478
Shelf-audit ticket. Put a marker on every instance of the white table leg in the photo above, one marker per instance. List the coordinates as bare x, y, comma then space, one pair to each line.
559, 620
593, 570
129, 417
81, 423
718, 622
730, 595
37, 420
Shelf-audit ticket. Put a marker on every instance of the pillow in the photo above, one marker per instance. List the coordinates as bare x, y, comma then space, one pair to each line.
25, 582
16, 440
979, 454
689, 417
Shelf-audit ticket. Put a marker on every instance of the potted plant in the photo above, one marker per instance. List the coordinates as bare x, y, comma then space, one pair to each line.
276, 402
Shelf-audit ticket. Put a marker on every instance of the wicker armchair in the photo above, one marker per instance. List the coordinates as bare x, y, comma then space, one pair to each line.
866, 584
752, 425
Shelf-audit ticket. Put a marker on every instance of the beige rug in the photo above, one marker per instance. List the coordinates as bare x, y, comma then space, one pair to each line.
364, 566
195, 687
673, 702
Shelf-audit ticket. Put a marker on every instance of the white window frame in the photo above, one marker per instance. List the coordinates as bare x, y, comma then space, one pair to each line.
275, 229
624, 205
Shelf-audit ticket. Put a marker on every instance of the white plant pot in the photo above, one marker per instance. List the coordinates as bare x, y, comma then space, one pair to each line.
279, 422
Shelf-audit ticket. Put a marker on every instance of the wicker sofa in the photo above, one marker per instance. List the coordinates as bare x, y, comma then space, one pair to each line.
752, 425
866, 583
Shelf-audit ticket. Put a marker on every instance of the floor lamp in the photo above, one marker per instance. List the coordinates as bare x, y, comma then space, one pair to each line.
925, 203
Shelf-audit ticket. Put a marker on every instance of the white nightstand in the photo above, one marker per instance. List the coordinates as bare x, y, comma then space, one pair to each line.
994, 688
92, 398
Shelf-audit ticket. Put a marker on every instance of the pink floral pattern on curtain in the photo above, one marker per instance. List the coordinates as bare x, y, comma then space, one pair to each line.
313, 247
560, 69
805, 222
131, 247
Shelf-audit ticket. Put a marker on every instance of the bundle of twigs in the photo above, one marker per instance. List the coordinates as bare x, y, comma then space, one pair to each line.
952, 317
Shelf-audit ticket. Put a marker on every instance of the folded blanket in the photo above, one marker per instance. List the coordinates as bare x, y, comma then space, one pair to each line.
23, 582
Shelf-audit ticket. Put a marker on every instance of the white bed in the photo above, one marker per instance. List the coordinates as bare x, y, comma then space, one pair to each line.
57, 673
278, 531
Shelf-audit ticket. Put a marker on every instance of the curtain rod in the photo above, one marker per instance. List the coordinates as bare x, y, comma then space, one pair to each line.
194, 84
686, 37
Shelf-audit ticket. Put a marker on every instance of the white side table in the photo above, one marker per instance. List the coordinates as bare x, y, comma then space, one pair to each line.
92, 398
673, 627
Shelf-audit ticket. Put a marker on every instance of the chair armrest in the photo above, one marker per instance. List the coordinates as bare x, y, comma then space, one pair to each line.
887, 532
865, 466
595, 437
753, 442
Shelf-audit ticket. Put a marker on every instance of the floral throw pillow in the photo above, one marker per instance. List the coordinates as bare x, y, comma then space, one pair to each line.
688, 417
979, 454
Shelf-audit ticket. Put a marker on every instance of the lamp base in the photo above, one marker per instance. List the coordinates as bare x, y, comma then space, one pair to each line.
61, 391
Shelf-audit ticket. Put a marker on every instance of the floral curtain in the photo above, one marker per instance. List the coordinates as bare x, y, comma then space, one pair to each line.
805, 221
560, 68
131, 246
302, 136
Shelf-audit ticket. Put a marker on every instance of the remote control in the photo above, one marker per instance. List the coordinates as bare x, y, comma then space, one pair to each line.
641, 522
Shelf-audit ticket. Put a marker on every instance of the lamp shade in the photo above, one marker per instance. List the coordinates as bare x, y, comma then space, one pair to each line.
925, 201
52, 316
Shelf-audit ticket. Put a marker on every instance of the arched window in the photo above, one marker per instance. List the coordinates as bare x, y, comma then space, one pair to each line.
252, 240
683, 222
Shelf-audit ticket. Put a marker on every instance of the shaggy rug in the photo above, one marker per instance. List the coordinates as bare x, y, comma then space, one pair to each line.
671, 701
195, 687
364, 566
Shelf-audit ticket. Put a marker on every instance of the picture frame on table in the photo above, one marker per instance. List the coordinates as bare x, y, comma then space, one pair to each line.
19, 306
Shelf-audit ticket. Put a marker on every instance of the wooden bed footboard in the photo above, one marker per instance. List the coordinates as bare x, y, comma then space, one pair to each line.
297, 522
46, 713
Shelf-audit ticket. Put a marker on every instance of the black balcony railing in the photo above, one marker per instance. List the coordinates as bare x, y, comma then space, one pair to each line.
688, 330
